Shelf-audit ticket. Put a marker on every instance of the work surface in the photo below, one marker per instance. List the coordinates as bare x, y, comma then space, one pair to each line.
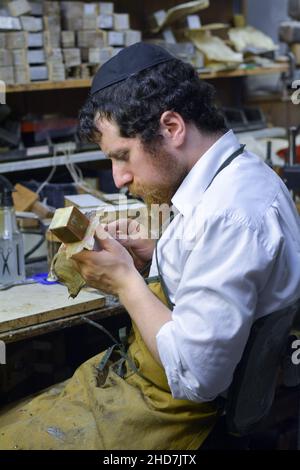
32, 306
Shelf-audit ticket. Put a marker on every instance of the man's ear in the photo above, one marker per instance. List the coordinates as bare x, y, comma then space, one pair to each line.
173, 128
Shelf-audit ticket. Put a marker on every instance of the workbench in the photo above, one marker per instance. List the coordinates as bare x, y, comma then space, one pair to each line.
34, 309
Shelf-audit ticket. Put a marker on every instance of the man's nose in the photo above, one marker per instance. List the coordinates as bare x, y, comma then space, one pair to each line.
121, 178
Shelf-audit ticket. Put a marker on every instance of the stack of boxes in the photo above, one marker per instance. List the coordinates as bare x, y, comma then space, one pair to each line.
51, 40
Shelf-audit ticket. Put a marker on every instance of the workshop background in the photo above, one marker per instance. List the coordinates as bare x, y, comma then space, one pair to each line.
49, 51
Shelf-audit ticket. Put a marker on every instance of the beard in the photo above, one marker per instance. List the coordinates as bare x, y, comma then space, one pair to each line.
169, 177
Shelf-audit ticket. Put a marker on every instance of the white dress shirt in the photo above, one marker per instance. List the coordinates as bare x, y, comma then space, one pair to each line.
230, 256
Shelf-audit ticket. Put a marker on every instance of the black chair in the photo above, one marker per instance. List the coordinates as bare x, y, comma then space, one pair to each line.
251, 394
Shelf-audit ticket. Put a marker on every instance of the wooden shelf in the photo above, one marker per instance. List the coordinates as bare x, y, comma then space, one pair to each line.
276, 68
72, 83
47, 85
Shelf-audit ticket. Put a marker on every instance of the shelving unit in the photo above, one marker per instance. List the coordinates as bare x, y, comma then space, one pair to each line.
44, 162
47, 85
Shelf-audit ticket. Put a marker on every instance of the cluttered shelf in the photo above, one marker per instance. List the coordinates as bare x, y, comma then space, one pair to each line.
85, 83
44, 162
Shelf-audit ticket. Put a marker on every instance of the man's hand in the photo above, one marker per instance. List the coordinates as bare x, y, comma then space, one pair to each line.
134, 237
109, 269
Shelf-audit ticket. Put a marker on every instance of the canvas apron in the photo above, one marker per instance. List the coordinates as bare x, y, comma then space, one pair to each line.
116, 400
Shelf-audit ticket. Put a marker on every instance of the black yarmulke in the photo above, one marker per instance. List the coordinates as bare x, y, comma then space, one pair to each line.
128, 61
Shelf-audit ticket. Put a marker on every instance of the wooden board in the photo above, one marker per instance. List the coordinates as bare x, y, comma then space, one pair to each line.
32, 304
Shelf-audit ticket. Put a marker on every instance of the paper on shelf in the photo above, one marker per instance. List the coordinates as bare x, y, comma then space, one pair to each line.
213, 47
178, 12
249, 39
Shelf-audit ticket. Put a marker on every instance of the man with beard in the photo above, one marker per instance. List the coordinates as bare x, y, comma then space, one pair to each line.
230, 255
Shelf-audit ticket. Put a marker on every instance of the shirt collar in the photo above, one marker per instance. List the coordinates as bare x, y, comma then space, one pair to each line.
191, 190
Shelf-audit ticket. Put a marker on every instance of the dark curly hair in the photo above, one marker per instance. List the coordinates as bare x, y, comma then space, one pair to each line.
137, 103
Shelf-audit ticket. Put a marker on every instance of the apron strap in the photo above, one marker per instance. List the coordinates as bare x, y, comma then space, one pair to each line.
227, 162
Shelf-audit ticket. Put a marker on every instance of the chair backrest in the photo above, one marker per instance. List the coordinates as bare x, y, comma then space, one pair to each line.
253, 387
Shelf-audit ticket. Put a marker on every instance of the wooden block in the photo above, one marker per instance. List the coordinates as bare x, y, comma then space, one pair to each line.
20, 58
7, 75
72, 23
36, 56
31, 23
52, 38
22, 74
35, 40
17, 40
90, 9
72, 57
51, 8
23, 198
9, 23
75, 9
91, 38
132, 36
105, 21
54, 55
51, 23
56, 71
36, 8
2, 40
19, 7
68, 39
96, 55
89, 22
69, 224
115, 38
121, 21
106, 8
6, 58
38, 72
